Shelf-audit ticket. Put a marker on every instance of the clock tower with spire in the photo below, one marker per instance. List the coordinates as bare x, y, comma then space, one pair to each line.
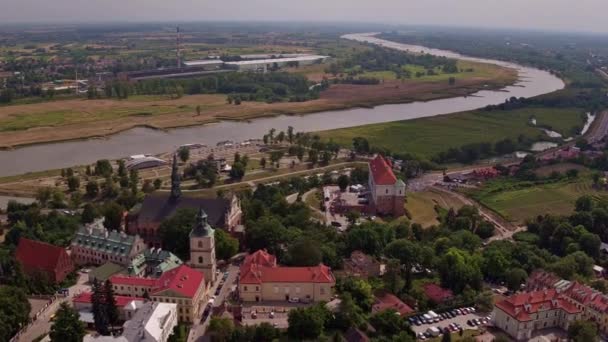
202, 247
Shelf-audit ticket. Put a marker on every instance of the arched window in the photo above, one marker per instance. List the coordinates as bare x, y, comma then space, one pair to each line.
200, 244
200, 259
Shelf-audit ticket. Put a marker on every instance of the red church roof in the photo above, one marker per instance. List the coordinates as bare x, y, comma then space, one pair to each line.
267, 271
520, 306
183, 280
382, 171
40, 256
86, 297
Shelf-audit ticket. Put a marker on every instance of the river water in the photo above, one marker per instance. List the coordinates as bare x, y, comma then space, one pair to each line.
148, 141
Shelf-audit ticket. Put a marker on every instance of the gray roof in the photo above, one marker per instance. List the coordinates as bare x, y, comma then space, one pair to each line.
96, 237
158, 206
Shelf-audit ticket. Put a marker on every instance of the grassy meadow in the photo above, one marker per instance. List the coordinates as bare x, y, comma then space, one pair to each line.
428, 136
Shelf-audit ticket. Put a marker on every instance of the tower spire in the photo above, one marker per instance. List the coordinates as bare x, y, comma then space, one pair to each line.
202, 227
175, 180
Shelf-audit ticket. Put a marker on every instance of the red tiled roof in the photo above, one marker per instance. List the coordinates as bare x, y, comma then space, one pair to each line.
261, 258
267, 271
389, 301
39, 255
436, 293
520, 306
121, 301
183, 280
132, 281
382, 171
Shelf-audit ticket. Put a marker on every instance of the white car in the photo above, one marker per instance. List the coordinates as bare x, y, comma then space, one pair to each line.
294, 300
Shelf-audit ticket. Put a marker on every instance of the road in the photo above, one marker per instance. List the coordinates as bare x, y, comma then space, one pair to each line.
42, 325
197, 331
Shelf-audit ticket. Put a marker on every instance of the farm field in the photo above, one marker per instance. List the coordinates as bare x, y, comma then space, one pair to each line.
429, 136
517, 205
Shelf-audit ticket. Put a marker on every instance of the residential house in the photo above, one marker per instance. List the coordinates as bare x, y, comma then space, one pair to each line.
40, 258
523, 314
261, 279
386, 301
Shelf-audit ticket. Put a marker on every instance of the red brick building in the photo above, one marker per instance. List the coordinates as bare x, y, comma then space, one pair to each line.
387, 193
388, 301
38, 257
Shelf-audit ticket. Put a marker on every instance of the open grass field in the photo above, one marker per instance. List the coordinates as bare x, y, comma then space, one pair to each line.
519, 204
80, 118
428, 136
421, 205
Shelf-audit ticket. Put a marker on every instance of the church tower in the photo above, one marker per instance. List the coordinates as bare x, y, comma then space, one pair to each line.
175, 180
202, 247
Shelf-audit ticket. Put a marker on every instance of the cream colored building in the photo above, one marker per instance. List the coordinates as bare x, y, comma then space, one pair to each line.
262, 280
522, 314
183, 286
202, 247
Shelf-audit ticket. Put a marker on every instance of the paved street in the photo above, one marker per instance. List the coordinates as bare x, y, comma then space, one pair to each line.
42, 325
198, 330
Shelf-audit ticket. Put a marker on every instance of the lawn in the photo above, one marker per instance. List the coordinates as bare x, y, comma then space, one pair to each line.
429, 136
517, 203
421, 205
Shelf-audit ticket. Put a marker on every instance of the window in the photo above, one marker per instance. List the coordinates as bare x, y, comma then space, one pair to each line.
276, 289
286, 289
322, 290
200, 259
387, 191
297, 289
244, 288
200, 244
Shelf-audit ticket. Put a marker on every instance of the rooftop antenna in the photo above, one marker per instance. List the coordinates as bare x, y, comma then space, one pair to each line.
179, 55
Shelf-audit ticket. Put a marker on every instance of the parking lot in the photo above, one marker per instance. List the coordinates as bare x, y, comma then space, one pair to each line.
460, 320
273, 314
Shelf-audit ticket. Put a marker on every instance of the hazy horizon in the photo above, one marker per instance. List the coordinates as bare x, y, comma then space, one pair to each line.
553, 15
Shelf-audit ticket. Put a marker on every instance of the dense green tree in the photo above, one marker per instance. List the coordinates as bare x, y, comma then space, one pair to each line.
67, 326
175, 231
103, 168
360, 291
225, 245
305, 252
73, 183
89, 213
458, 269
100, 317
14, 311
92, 189
157, 183
584, 203
343, 182
184, 154
221, 329
583, 331
113, 214
307, 323
388, 322
514, 277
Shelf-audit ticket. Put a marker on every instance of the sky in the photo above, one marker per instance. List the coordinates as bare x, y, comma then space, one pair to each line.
562, 15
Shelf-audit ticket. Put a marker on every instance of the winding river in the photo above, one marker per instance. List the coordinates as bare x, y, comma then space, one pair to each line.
143, 140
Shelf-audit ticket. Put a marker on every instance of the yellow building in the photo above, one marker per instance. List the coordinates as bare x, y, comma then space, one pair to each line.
183, 286
262, 280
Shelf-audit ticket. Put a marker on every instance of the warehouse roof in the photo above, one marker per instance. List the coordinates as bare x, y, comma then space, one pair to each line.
278, 60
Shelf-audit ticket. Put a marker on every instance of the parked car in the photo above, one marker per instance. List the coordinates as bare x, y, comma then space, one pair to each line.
294, 300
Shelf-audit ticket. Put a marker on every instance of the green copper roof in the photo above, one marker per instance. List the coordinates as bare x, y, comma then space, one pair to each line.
96, 237
202, 227
153, 262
